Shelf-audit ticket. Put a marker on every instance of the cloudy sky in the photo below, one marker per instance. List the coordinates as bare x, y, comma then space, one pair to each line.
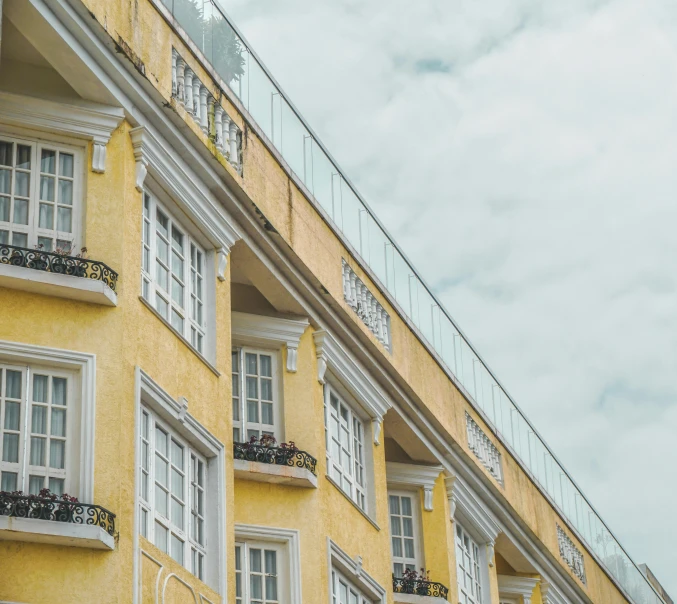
524, 156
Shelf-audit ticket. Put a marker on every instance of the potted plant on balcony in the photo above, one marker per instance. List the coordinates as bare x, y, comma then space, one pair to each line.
414, 582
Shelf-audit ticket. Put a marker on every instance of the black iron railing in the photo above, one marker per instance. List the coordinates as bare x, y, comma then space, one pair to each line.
58, 264
56, 510
281, 456
419, 587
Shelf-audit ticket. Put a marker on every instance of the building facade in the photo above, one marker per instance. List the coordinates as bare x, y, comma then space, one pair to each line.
200, 349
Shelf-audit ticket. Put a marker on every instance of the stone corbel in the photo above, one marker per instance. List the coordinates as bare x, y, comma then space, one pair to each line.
490, 552
428, 499
292, 356
99, 156
222, 256
136, 135
376, 424
321, 367
184, 409
141, 172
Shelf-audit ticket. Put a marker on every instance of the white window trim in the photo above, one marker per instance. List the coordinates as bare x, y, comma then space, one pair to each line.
259, 330
353, 571
412, 475
87, 120
175, 413
84, 365
483, 578
512, 588
278, 398
290, 539
419, 552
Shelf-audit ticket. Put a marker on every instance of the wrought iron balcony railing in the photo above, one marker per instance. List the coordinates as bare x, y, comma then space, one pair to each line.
281, 456
59, 264
419, 587
56, 510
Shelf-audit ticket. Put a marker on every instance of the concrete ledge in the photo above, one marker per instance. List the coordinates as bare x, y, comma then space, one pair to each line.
412, 599
51, 532
53, 284
274, 474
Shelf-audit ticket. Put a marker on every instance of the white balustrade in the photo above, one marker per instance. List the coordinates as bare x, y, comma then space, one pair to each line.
485, 450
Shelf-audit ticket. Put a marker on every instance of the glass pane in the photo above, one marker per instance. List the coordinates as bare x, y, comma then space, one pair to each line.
255, 560
66, 192
266, 389
13, 384
46, 220
39, 419
20, 212
161, 470
40, 388
4, 235
5, 181
397, 547
161, 535
19, 239
59, 391
6, 153
407, 527
250, 360
177, 292
66, 165
45, 244
64, 220
46, 188
252, 387
162, 224
35, 484
12, 413
177, 321
266, 366
409, 548
267, 413
177, 483
256, 587
177, 514
177, 455
252, 411
37, 457
161, 441
22, 184
394, 504
23, 157
48, 161
160, 501
10, 448
8, 480
4, 209
406, 506
56, 485
57, 454
177, 549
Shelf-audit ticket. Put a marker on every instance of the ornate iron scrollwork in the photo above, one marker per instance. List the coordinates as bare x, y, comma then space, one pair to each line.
281, 456
56, 510
418, 587
58, 263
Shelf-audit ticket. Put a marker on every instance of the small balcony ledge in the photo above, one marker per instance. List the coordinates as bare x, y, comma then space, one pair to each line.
274, 465
34, 520
57, 275
414, 591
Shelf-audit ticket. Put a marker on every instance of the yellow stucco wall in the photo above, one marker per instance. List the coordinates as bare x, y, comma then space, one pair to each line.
130, 335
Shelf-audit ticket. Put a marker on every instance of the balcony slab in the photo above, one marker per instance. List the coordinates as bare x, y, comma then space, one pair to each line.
51, 532
274, 474
413, 599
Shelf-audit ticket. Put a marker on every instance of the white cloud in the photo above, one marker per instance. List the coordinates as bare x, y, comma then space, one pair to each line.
523, 155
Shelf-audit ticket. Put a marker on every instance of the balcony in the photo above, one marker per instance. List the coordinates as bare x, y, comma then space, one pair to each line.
34, 519
55, 274
284, 465
418, 591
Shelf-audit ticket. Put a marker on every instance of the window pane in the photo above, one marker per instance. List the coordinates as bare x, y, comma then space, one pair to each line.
46, 187
40, 388
57, 454
408, 529
267, 413
144, 523
4, 210
406, 506
6, 153
8, 481
161, 441
37, 451
46, 220
19, 239
35, 484
45, 244
58, 426
13, 384
266, 365
12, 413
409, 548
252, 387
20, 212
177, 514
162, 224
5, 182
255, 560
59, 391
177, 455
64, 220
56, 485
177, 292
66, 165
161, 536
252, 411
23, 157
66, 192
4, 235
161, 469
177, 549
22, 184
39, 419
177, 484
160, 501
266, 389
10, 448
394, 504
177, 321
48, 161
256, 587
251, 363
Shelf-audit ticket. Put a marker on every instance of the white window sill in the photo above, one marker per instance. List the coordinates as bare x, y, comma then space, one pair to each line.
60, 286
52, 532
274, 474
412, 599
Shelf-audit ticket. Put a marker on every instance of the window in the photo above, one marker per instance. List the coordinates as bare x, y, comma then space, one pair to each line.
468, 561
344, 592
39, 195
172, 494
405, 532
260, 573
172, 273
256, 399
344, 434
37, 430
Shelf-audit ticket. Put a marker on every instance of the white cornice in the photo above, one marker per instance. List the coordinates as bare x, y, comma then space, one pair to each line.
470, 511
153, 156
350, 374
86, 120
354, 571
517, 586
417, 476
258, 329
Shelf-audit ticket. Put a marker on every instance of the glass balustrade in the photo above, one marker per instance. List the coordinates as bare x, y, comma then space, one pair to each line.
206, 23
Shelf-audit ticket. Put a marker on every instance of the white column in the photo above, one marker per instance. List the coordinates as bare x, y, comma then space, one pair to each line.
353, 290
218, 126
175, 56
180, 80
188, 83
196, 98
234, 158
204, 114
226, 134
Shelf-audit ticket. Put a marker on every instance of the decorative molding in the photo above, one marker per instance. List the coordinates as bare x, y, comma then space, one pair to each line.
259, 329
376, 425
153, 157
84, 364
466, 508
354, 570
222, 263
291, 538
517, 587
367, 307
87, 120
571, 554
350, 374
550, 595
415, 475
485, 450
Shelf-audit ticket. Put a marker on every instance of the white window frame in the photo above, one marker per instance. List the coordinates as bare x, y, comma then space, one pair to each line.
193, 553
338, 580
174, 416
417, 561
80, 370
242, 559
70, 241
240, 400
198, 289
341, 566
477, 570
358, 437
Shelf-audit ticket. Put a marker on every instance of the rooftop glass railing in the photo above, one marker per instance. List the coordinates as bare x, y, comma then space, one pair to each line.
209, 27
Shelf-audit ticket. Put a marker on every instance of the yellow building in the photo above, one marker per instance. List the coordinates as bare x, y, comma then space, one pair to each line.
185, 274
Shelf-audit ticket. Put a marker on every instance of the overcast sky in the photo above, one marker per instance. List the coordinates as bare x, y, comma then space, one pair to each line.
524, 155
